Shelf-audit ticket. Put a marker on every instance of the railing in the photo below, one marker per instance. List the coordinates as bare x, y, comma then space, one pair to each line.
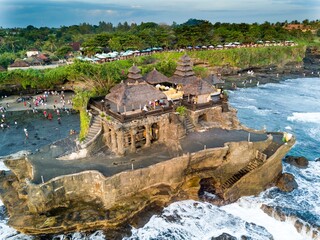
123, 117
135, 116
99, 105
199, 106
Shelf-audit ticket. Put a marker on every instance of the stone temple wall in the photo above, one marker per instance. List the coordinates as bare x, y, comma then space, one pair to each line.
125, 194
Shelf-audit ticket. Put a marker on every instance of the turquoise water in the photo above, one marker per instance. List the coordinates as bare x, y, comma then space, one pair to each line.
292, 106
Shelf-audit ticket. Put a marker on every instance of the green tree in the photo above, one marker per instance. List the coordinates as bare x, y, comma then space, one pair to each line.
63, 51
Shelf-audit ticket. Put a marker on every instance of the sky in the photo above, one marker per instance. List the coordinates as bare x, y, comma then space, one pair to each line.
56, 13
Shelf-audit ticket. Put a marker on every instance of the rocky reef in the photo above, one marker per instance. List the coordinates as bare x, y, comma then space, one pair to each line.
89, 200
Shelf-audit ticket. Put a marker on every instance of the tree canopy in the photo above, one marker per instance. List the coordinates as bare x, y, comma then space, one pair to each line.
124, 36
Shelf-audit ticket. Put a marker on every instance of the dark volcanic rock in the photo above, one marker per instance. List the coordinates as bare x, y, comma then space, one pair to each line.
224, 236
301, 223
286, 183
274, 212
300, 162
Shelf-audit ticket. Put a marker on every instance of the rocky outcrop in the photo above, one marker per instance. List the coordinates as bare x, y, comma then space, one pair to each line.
300, 162
287, 183
312, 59
89, 200
283, 214
224, 236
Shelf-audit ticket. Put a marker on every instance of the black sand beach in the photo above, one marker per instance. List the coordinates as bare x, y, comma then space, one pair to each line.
41, 130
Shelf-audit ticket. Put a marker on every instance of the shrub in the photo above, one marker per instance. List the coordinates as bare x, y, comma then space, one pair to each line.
181, 110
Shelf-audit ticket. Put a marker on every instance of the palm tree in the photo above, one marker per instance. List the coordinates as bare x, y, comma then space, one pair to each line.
52, 42
11, 42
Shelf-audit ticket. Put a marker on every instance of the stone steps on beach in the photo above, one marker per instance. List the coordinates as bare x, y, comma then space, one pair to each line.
94, 129
189, 126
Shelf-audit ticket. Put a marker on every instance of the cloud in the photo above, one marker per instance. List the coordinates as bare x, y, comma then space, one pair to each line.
53, 13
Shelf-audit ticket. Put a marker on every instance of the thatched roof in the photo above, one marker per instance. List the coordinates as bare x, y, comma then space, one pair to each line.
43, 57
184, 68
2, 69
198, 87
134, 74
139, 93
155, 77
19, 63
34, 61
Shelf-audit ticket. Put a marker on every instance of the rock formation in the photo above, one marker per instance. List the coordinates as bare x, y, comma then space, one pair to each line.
287, 183
282, 214
88, 200
300, 162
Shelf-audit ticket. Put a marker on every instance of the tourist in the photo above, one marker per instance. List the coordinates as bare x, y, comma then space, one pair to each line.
145, 108
59, 120
26, 132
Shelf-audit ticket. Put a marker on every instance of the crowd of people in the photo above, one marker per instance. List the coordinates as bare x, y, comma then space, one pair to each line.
51, 105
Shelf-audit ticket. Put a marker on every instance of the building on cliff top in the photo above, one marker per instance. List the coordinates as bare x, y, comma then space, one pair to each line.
142, 110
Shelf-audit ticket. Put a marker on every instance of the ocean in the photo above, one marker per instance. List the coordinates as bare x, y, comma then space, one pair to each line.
292, 106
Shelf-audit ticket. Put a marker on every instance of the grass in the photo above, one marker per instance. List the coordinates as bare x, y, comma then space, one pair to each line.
84, 124
242, 57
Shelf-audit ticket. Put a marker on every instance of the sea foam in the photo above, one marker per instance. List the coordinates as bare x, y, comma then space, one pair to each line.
309, 117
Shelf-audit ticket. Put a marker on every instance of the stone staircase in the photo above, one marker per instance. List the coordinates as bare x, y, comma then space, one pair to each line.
94, 130
236, 177
271, 149
189, 125
258, 161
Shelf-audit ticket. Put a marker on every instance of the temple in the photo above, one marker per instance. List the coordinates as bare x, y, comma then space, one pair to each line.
152, 140
142, 110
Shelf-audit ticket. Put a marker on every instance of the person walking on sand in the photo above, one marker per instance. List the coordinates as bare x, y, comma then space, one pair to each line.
26, 132
50, 116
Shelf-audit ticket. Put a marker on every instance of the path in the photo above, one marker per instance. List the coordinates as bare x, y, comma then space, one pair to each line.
46, 165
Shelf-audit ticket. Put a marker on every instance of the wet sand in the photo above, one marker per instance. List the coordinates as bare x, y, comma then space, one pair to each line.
41, 131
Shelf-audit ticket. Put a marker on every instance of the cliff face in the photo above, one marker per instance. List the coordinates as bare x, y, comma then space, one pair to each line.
89, 200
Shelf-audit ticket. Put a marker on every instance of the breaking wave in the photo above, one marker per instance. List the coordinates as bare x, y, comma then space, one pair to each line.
294, 215
308, 117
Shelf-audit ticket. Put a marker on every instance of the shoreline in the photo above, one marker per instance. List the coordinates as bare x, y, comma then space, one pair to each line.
52, 102
28, 127
263, 77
